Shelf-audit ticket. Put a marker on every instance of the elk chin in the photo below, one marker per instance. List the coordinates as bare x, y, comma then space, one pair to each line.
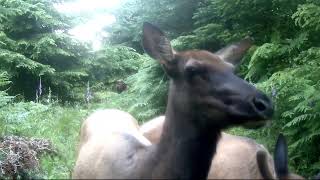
255, 124
247, 121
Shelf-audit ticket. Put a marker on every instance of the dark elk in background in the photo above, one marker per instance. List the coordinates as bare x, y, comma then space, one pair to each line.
120, 86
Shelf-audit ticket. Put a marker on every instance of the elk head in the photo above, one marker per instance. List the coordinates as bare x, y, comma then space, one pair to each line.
205, 84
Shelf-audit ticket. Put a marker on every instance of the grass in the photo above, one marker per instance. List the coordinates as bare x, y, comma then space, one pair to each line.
58, 124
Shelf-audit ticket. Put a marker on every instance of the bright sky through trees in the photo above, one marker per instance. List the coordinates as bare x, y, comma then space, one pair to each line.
91, 30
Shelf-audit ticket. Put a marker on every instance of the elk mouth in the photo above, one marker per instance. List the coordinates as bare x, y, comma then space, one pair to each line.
256, 124
250, 121
251, 113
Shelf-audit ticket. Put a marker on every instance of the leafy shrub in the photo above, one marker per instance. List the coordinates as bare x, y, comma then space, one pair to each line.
146, 96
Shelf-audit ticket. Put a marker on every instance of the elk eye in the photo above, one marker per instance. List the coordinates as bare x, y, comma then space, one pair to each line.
195, 71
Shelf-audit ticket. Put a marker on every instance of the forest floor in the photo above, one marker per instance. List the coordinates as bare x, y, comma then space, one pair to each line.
44, 142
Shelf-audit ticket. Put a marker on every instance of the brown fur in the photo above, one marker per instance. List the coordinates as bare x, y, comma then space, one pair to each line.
98, 135
207, 57
235, 157
204, 98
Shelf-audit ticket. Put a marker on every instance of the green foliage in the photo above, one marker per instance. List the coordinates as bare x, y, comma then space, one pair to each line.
173, 16
208, 37
146, 96
59, 125
297, 105
307, 16
258, 18
114, 62
148, 90
4, 98
33, 43
4, 81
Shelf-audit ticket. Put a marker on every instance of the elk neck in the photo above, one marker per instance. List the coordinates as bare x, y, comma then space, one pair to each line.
185, 149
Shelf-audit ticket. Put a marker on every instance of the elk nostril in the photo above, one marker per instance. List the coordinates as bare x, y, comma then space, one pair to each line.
260, 105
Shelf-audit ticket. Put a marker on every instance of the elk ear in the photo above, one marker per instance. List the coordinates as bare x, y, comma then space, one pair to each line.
233, 53
281, 157
263, 165
317, 177
156, 45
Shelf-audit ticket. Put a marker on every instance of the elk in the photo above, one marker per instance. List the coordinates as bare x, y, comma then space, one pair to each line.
205, 97
280, 162
235, 156
120, 86
93, 126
